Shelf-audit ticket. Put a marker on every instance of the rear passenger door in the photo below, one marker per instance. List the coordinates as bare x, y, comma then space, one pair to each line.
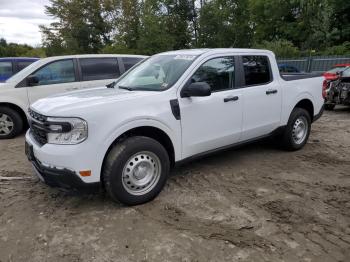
97, 72
262, 98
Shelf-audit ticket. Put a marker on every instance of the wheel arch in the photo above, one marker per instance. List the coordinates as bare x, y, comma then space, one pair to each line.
145, 130
306, 104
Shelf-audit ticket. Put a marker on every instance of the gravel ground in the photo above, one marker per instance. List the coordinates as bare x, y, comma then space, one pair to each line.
255, 203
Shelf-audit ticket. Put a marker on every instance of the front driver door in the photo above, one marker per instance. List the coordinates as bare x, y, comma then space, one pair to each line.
55, 77
214, 121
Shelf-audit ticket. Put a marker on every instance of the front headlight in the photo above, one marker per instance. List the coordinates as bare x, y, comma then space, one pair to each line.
66, 131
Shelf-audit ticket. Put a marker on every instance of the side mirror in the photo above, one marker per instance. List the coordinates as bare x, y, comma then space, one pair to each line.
32, 80
196, 89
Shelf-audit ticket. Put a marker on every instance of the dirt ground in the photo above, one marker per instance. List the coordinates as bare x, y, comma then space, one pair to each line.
255, 203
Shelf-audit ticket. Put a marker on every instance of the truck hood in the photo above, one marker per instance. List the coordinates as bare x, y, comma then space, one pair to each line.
73, 103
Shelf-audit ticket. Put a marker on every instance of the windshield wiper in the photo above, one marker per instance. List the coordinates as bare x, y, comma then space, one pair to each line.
111, 85
126, 88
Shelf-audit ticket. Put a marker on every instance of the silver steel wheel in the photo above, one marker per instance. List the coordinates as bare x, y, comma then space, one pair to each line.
6, 124
300, 130
141, 173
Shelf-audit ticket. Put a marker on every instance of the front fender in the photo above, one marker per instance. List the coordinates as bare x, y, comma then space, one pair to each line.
111, 137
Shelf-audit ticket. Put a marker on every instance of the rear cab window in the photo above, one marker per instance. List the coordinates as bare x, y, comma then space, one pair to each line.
257, 70
99, 68
130, 62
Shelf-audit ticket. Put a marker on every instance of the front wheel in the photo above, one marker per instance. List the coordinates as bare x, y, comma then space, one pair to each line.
298, 129
136, 170
11, 123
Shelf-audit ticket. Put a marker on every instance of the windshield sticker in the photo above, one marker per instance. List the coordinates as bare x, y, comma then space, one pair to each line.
164, 85
185, 57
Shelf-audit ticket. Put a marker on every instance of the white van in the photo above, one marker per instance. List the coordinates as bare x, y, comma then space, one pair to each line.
55, 75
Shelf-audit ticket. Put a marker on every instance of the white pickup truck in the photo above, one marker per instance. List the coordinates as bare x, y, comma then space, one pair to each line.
172, 107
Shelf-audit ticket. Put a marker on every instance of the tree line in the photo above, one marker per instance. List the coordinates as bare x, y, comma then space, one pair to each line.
288, 27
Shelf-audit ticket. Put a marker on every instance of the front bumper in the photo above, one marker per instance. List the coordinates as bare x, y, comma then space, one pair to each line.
55, 176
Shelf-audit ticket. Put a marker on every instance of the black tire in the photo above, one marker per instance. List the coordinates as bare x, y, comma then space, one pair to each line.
118, 159
16, 119
288, 137
329, 107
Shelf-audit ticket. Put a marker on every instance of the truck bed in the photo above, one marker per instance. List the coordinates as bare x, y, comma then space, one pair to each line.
297, 76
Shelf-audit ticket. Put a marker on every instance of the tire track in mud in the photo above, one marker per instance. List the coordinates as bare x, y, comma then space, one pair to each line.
177, 219
7, 173
324, 159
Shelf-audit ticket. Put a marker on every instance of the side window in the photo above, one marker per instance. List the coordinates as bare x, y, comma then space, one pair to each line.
217, 72
23, 64
5, 69
130, 62
256, 70
99, 68
56, 73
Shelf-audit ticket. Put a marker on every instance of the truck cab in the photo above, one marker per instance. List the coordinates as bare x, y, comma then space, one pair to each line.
170, 108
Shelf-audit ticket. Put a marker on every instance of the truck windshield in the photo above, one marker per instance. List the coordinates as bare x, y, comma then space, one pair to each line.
157, 73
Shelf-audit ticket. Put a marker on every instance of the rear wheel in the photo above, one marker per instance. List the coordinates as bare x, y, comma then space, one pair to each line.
298, 129
329, 107
11, 123
136, 170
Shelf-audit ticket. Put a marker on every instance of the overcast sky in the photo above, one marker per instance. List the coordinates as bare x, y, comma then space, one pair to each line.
20, 20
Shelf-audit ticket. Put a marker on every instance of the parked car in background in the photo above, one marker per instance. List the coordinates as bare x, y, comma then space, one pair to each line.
332, 73
170, 108
285, 68
337, 91
12, 65
55, 75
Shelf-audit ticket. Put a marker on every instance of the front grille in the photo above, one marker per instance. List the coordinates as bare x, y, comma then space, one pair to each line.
38, 127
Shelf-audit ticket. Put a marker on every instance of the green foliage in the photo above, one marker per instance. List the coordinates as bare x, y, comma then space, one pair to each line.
340, 21
281, 48
119, 49
13, 50
83, 26
224, 23
288, 27
164, 26
343, 49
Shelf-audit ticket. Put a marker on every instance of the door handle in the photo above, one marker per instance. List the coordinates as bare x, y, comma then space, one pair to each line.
271, 91
231, 98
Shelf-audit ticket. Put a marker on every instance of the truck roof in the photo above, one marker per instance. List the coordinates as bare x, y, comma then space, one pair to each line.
201, 51
93, 56
19, 58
